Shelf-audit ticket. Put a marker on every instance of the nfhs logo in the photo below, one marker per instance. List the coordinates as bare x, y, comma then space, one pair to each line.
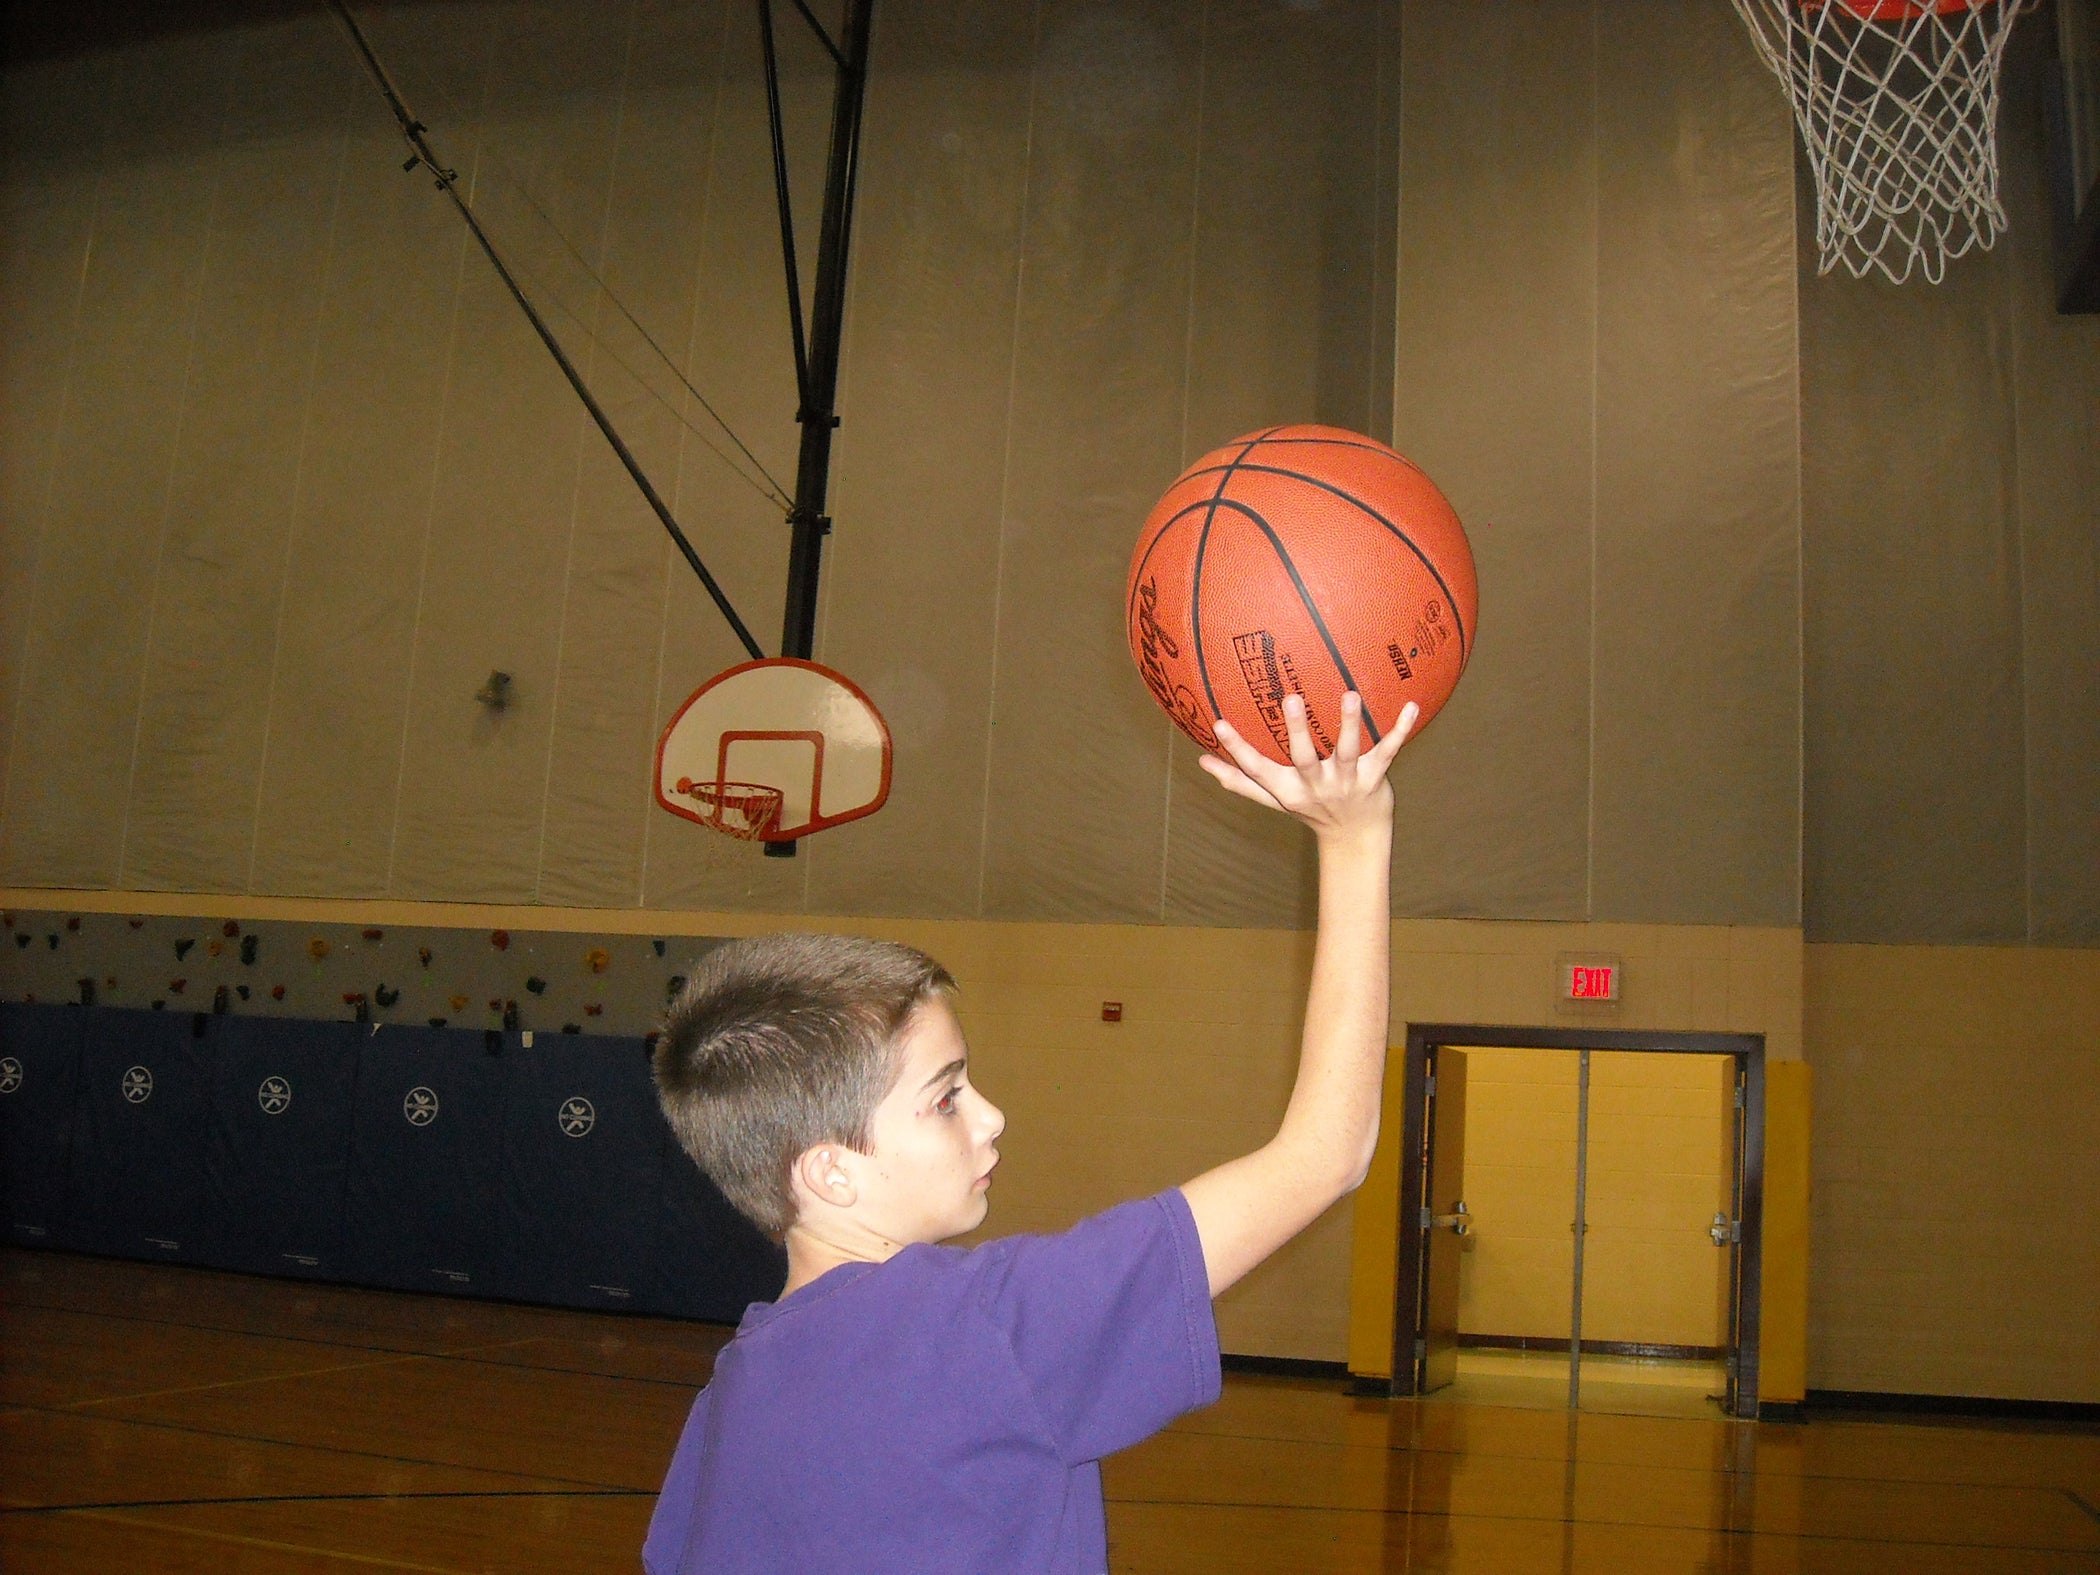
419, 1106
275, 1096
10, 1074
136, 1085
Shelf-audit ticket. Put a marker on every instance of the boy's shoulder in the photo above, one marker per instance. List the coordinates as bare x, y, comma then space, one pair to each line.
1045, 1269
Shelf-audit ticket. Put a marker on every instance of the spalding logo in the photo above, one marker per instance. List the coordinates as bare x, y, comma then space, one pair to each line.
1152, 640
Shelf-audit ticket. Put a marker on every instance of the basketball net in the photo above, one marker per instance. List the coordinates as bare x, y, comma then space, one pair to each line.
745, 810
1897, 102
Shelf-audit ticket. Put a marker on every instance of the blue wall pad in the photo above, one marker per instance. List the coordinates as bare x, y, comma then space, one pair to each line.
39, 1063
530, 1166
136, 1185
277, 1155
581, 1171
711, 1262
426, 1160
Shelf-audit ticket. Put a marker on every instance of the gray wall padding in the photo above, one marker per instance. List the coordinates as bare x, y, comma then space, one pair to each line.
285, 475
1951, 459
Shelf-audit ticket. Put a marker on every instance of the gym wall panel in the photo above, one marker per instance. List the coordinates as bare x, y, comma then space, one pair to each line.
336, 671
1955, 1249
1095, 433
51, 122
1917, 822
39, 1076
1493, 396
2056, 370
211, 620
626, 194
1287, 278
473, 780
103, 529
918, 475
1952, 604
1695, 760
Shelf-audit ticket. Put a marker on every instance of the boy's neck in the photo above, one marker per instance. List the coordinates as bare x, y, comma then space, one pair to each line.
813, 1253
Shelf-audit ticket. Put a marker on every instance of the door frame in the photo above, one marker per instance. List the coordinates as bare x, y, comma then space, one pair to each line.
1747, 1049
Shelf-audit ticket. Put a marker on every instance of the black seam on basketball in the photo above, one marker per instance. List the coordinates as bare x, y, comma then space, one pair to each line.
1334, 652
1137, 574
1183, 513
1196, 572
1366, 446
1362, 446
1465, 639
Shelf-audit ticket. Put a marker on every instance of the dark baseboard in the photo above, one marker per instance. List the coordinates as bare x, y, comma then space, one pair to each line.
1781, 1411
1533, 1342
1863, 1402
1286, 1367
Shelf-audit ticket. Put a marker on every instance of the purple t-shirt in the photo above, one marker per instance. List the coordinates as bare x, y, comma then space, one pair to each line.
946, 1410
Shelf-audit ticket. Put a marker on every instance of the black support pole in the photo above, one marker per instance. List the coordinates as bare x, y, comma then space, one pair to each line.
818, 370
819, 415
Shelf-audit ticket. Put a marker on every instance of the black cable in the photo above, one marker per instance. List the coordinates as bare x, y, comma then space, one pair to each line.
787, 212
422, 153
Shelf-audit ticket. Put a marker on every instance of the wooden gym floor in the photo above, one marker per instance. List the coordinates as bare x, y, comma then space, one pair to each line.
162, 1419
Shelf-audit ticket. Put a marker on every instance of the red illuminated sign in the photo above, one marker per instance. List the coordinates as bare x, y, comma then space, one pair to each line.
1591, 979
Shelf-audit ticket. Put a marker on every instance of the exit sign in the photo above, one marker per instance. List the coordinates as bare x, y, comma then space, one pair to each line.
1590, 978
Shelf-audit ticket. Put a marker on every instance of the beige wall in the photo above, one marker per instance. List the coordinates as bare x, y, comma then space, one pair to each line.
1200, 1067
1661, 1153
1956, 1239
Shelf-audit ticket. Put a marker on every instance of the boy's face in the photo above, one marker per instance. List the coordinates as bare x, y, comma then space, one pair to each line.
931, 1167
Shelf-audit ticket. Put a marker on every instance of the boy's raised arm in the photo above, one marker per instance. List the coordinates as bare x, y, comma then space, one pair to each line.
1248, 1207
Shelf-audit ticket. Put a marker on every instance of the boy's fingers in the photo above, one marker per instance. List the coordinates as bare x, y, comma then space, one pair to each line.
1381, 756
1303, 755
1234, 780
1349, 738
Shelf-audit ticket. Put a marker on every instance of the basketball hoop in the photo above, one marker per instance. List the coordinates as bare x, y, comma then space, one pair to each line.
742, 809
1897, 101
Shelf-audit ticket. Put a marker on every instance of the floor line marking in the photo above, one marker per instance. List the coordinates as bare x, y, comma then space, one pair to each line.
1631, 1525
354, 1345
293, 1443
269, 1378
17, 1507
1726, 1469
238, 1540
2083, 1503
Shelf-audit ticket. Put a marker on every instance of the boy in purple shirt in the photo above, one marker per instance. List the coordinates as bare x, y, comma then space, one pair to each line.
916, 1408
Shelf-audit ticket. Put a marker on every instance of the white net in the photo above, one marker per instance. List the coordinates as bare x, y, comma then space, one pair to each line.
1898, 106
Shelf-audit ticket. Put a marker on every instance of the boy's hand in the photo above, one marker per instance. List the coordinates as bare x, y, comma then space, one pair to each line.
1345, 792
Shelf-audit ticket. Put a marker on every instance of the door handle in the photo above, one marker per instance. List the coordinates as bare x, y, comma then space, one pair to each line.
1457, 1221
1725, 1231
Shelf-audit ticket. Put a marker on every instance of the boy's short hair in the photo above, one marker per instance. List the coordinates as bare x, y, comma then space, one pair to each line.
781, 1042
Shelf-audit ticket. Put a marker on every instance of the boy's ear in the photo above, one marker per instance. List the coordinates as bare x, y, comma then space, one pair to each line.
820, 1175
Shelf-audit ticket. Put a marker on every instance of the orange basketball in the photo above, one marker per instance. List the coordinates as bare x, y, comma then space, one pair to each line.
1302, 560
